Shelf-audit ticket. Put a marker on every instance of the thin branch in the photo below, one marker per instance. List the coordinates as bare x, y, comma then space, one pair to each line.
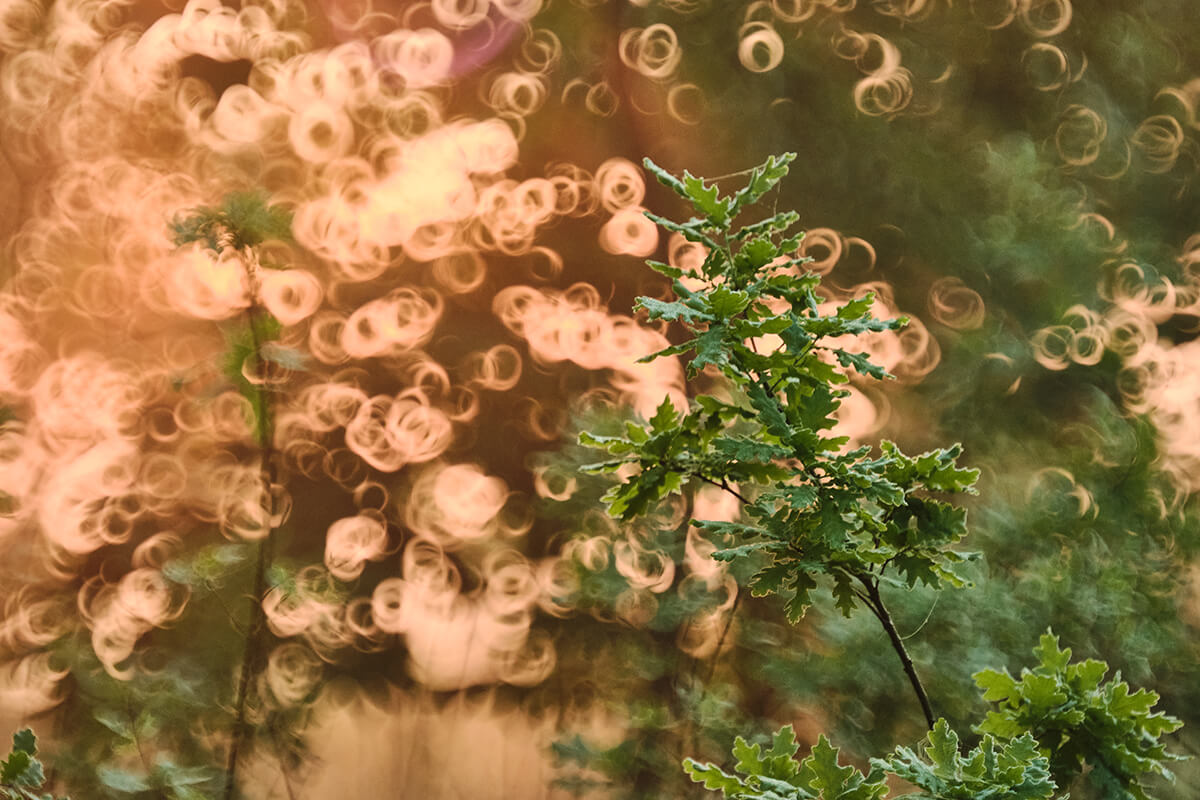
712, 669
807, 349
731, 174
866, 600
252, 652
885, 619
689, 729
233, 622
693, 667
936, 597
287, 781
137, 739
722, 484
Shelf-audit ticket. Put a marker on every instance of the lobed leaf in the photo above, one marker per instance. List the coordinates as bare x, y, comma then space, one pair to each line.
706, 200
1080, 722
1013, 770
763, 179
768, 227
24, 741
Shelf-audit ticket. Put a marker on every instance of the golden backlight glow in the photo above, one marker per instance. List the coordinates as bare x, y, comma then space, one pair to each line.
458, 288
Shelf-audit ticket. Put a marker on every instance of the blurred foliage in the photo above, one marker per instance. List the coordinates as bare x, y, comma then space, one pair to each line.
126, 739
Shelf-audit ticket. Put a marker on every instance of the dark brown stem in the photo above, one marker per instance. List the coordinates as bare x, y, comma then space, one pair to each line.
722, 484
885, 619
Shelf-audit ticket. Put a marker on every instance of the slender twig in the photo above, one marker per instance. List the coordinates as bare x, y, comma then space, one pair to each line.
866, 600
885, 619
287, 781
693, 666
731, 174
712, 669
689, 729
936, 597
280, 747
807, 349
252, 652
137, 739
722, 484
233, 622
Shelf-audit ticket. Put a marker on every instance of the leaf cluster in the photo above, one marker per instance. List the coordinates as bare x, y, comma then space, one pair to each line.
1052, 722
242, 220
814, 508
1010, 770
130, 742
165, 778
1006, 771
777, 775
1080, 721
210, 566
21, 774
